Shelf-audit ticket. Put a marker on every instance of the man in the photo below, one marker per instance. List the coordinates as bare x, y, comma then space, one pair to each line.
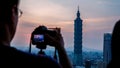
115, 42
9, 12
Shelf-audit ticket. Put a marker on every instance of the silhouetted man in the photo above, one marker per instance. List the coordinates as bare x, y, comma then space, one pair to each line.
9, 14
115, 43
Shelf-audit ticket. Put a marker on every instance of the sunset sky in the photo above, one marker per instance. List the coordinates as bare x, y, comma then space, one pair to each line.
99, 17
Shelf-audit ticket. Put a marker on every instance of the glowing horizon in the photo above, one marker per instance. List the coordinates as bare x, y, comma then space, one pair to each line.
99, 17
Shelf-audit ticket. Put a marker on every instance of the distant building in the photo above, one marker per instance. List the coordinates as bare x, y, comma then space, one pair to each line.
78, 58
100, 64
107, 48
87, 64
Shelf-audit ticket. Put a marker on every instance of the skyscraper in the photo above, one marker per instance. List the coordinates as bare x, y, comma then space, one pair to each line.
78, 59
107, 48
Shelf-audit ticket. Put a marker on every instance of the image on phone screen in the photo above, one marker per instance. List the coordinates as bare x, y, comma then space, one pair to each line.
39, 38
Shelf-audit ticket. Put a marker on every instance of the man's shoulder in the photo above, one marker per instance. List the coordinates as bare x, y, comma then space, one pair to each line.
11, 52
12, 55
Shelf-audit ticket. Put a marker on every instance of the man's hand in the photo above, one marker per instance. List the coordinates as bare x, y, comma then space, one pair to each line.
55, 41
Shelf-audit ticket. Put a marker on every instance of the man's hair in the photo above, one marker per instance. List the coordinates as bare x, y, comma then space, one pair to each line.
8, 3
6, 9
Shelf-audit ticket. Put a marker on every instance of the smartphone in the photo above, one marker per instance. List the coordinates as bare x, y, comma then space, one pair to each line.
39, 38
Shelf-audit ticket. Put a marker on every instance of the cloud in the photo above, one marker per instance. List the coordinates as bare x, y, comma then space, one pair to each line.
41, 10
99, 16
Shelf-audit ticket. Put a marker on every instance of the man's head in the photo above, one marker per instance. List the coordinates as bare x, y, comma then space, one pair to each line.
8, 20
6, 7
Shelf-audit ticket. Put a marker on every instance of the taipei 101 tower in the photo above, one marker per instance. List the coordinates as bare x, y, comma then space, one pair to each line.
78, 58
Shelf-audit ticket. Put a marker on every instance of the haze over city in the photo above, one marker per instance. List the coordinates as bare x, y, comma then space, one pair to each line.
99, 17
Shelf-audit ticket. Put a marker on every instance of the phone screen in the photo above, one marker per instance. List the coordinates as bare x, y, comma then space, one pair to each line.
39, 38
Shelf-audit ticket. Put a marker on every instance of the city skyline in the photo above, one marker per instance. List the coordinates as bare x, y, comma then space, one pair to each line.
99, 17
